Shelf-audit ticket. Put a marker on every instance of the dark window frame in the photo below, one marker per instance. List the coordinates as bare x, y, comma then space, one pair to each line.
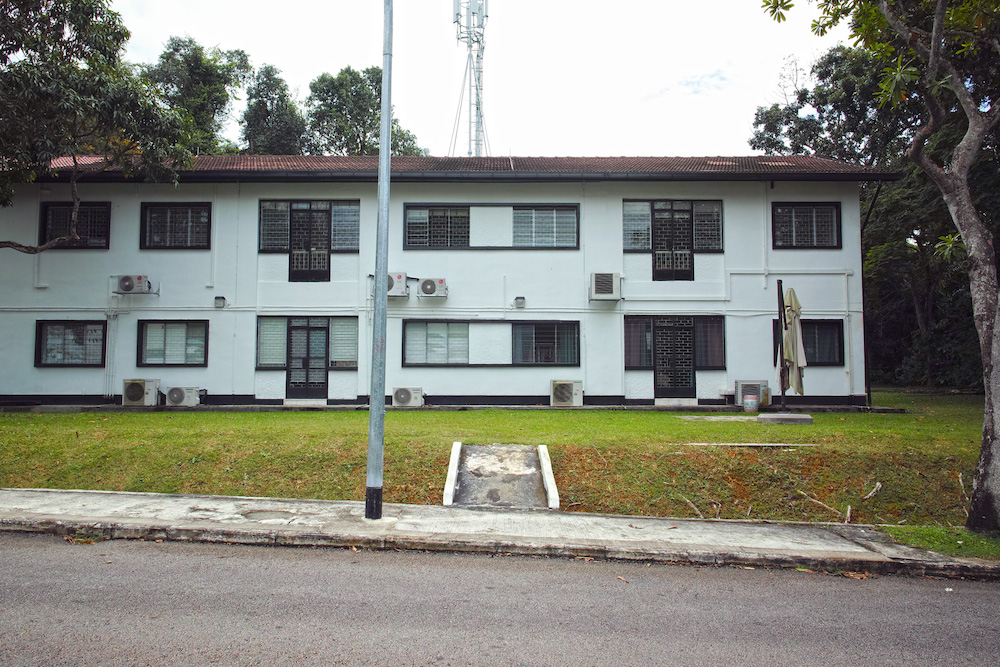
407, 245
514, 206
412, 364
42, 325
555, 323
837, 327
286, 249
707, 251
146, 207
838, 224
331, 363
141, 339
47, 206
536, 207
647, 320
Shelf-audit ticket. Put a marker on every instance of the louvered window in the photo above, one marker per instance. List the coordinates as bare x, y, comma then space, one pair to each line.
272, 342
672, 230
176, 226
173, 343
436, 343
70, 343
545, 227
277, 222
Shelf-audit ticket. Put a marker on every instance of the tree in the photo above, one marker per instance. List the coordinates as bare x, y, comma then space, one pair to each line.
345, 113
66, 93
272, 122
201, 84
947, 54
914, 296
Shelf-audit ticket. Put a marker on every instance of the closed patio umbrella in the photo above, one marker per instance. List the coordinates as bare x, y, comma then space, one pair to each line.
793, 348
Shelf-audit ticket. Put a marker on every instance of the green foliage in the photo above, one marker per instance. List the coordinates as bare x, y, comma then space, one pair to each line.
199, 83
948, 540
345, 115
65, 92
272, 122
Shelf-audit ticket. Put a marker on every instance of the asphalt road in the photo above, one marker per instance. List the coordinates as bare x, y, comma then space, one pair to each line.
145, 603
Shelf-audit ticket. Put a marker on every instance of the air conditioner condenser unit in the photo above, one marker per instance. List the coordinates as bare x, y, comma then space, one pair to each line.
605, 286
132, 284
433, 287
183, 396
407, 397
397, 285
140, 392
566, 393
755, 388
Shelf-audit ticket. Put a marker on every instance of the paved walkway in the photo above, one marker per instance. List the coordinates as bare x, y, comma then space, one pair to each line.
281, 522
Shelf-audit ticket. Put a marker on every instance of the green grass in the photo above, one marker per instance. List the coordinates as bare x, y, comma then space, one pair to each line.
947, 540
617, 461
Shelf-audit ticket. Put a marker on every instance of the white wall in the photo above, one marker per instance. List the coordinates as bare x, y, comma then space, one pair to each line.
739, 284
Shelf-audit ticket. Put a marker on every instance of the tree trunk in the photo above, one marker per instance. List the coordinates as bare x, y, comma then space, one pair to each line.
984, 512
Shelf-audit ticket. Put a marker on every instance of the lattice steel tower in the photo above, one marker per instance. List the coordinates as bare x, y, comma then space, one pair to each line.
470, 21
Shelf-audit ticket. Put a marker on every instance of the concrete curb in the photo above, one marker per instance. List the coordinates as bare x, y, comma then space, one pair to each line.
254, 521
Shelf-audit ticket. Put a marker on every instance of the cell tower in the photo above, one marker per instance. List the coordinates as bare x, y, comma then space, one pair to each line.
470, 20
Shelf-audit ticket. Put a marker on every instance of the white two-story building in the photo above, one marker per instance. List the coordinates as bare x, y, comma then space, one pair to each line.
514, 281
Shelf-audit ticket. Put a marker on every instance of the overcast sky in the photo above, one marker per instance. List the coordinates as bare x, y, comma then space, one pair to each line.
628, 77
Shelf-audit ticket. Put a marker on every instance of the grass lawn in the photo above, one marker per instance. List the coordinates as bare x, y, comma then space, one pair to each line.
616, 461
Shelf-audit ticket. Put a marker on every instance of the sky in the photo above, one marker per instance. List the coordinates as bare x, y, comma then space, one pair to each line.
629, 77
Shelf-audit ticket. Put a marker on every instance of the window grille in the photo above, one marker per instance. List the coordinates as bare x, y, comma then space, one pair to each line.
168, 226
93, 223
546, 343
545, 227
805, 225
70, 343
437, 227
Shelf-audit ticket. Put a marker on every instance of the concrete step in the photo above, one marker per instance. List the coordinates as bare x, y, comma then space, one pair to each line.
500, 475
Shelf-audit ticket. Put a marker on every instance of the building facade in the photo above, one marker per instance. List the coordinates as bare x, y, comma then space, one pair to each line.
512, 281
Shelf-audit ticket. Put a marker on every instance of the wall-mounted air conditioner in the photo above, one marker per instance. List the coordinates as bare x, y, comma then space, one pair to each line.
140, 392
132, 284
605, 286
397, 285
183, 396
755, 388
433, 287
566, 393
407, 397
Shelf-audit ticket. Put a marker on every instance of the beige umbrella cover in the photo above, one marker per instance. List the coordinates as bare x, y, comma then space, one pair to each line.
795, 352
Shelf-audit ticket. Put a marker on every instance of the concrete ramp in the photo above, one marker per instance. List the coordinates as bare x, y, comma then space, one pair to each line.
500, 475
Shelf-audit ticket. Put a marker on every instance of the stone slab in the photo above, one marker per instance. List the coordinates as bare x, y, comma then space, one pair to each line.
784, 418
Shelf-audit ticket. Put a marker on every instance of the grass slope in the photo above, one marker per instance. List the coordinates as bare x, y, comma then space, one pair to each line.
616, 461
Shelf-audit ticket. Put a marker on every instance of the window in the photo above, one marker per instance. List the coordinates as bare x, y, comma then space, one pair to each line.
70, 343
795, 225
541, 343
435, 343
279, 220
672, 230
176, 226
709, 340
173, 343
93, 221
272, 342
545, 227
823, 341
437, 227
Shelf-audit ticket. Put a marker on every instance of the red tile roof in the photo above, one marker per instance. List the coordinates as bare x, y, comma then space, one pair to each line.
365, 168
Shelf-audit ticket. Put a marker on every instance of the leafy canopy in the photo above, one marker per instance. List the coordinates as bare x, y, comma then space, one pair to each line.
272, 122
200, 83
66, 92
345, 115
